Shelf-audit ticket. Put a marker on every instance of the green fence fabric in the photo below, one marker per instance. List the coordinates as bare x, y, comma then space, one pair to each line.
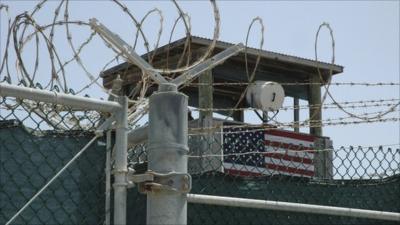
364, 178
28, 159
365, 194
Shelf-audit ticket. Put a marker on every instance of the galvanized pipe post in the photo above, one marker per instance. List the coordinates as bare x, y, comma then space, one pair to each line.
292, 207
73, 101
107, 170
167, 152
121, 162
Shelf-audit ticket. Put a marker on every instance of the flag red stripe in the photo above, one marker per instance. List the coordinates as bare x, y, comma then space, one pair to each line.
289, 158
289, 169
288, 134
287, 146
242, 173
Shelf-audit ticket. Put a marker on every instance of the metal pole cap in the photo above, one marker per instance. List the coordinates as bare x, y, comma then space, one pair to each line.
168, 87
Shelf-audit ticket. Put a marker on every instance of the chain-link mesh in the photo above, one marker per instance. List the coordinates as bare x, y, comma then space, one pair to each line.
272, 165
37, 140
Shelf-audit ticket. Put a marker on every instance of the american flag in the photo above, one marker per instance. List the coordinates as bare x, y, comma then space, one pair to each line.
267, 152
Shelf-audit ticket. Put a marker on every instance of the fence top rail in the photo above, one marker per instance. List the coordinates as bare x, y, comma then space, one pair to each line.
75, 102
292, 207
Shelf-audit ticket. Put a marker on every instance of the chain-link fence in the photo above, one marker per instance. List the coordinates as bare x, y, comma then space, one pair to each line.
273, 164
37, 140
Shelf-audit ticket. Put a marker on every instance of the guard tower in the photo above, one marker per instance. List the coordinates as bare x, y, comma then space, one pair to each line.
272, 66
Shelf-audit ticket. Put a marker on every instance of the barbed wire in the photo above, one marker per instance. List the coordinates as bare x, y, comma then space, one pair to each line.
353, 105
300, 149
250, 77
361, 103
24, 28
264, 127
326, 87
368, 84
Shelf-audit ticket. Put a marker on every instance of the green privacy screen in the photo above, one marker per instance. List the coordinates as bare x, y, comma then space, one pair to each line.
29, 159
366, 194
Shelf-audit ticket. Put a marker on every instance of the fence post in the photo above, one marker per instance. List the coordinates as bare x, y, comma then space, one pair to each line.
107, 170
206, 121
167, 152
121, 162
296, 114
315, 112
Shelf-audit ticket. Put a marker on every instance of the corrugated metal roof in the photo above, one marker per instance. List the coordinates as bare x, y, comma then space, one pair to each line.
251, 51
268, 54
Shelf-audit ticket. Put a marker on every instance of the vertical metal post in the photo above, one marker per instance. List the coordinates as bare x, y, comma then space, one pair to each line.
167, 152
296, 114
108, 179
121, 162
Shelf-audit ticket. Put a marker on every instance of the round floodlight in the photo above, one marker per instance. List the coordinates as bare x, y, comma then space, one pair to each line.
265, 95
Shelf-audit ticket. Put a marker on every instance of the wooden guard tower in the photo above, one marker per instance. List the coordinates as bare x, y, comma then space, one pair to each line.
272, 67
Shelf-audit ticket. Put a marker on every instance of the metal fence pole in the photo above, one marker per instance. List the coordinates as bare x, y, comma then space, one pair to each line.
167, 152
73, 101
292, 207
108, 179
121, 163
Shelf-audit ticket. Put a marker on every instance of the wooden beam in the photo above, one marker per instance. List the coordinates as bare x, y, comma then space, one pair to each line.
205, 96
314, 100
207, 145
296, 114
322, 159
